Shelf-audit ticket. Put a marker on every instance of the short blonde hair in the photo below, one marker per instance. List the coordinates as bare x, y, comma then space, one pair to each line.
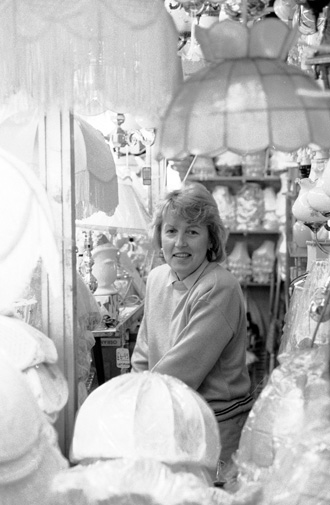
195, 204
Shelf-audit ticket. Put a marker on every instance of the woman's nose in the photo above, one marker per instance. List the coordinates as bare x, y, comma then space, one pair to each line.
181, 240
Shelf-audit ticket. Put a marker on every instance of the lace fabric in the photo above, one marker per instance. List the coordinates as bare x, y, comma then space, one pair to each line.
299, 326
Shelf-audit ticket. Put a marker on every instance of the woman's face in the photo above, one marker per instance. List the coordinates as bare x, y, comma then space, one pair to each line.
184, 244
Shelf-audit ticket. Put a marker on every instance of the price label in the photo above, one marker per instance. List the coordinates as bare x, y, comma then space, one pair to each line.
122, 358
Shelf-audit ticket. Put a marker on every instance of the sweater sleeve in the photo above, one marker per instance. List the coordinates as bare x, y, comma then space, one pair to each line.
140, 353
200, 343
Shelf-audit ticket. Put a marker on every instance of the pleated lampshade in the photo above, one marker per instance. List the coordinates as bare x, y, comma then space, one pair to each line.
247, 99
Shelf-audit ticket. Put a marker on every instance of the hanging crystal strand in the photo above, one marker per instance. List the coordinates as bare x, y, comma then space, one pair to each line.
148, 135
88, 262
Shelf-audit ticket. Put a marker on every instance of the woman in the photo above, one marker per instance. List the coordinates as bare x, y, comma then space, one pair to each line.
194, 324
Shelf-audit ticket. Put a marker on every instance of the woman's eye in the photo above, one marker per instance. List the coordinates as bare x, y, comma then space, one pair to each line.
193, 232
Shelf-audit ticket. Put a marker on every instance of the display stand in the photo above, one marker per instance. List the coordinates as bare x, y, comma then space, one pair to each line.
117, 336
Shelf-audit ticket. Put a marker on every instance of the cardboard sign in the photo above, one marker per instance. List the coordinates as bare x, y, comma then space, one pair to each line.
122, 358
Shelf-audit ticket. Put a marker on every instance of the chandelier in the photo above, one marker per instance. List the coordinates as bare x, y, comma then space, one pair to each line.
234, 9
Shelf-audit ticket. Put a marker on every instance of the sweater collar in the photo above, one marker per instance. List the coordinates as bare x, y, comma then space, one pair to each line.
189, 281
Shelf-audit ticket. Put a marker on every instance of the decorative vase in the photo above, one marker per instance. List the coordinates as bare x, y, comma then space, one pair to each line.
105, 271
318, 199
105, 268
301, 209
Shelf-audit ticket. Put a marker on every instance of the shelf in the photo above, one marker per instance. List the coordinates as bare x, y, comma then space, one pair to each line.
128, 316
253, 232
252, 284
236, 178
268, 180
262, 296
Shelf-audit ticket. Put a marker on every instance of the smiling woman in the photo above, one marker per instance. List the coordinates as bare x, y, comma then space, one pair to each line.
184, 245
194, 323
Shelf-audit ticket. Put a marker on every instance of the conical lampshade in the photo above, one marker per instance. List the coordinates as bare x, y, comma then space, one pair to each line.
129, 217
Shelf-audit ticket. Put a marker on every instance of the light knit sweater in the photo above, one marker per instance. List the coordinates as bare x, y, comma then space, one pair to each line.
195, 330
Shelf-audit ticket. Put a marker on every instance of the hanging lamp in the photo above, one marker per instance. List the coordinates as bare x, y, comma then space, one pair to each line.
247, 99
96, 185
91, 55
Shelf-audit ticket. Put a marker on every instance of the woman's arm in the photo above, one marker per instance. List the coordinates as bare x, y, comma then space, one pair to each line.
200, 344
140, 361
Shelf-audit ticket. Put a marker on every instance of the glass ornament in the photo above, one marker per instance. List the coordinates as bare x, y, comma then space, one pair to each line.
301, 470
284, 9
228, 163
301, 208
318, 199
301, 234
326, 178
301, 327
249, 207
263, 260
226, 202
204, 167
278, 413
239, 262
254, 164
270, 219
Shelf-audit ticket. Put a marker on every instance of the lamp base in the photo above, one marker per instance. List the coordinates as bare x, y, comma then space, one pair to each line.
110, 301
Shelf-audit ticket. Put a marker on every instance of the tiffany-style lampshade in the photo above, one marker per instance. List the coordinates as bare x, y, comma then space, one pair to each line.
247, 99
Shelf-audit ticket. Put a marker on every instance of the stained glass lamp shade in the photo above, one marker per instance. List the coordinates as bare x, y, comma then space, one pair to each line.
246, 99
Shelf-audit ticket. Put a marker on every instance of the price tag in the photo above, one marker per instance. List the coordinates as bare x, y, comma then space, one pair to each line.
122, 357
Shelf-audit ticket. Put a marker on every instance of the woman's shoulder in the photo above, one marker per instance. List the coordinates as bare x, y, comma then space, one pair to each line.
220, 273
218, 281
218, 284
158, 272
